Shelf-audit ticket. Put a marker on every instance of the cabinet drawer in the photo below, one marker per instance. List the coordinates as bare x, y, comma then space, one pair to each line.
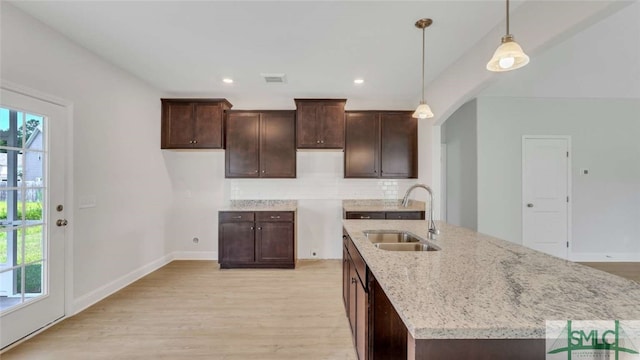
274, 216
406, 215
235, 216
365, 215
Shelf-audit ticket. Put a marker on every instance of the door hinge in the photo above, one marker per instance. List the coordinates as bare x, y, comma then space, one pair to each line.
567, 154
567, 199
567, 244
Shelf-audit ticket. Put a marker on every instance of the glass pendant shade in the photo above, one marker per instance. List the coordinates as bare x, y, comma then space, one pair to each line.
423, 111
508, 56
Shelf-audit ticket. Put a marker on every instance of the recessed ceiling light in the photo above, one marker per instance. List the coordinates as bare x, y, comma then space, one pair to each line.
358, 81
227, 81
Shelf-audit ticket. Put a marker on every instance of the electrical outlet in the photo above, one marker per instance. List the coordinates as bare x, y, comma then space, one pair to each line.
196, 240
314, 253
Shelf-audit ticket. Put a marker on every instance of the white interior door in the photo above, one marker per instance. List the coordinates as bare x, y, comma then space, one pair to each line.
32, 193
545, 194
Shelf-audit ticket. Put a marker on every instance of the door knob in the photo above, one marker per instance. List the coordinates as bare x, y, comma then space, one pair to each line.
61, 222
529, 205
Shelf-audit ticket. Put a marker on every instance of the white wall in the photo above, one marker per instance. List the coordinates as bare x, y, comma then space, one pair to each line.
116, 155
460, 135
604, 135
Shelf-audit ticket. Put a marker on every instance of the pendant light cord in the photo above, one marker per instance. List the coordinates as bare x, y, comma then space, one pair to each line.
508, 17
423, 64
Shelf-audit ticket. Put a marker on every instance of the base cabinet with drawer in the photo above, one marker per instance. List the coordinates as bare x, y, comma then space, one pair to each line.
261, 239
388, 215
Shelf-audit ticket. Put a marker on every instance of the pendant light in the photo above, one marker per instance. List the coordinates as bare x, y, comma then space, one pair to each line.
423, 111
509, 55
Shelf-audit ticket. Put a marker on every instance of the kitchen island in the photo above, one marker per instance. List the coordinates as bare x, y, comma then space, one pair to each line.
482, 297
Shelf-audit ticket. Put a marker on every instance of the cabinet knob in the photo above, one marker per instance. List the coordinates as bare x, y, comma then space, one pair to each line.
365, 217
260, 228
353, 280
263, 171
256, 171
317, 141
252, 228
321, 141
275, 217
344, 237
195, 141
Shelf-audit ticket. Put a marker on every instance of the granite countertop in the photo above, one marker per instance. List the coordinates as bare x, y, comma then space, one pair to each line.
261, 205
381, 205
481, 287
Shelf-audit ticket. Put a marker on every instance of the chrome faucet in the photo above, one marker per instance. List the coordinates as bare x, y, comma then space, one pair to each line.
433, 231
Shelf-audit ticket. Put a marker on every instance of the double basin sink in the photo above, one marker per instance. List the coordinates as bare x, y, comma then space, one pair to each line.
391, 240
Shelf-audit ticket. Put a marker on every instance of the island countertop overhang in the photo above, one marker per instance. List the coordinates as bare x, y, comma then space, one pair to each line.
481, 287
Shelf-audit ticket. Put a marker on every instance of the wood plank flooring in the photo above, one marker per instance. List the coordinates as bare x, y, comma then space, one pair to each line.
193, 310
629, 270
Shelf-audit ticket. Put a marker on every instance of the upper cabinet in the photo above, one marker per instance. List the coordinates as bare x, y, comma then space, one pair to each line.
260, 144
320, 123
193, 123
381, 144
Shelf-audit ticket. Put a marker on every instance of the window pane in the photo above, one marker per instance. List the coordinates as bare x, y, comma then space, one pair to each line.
8, 286
33, 244
9, 215
33, 280
4, 249
32, 171
10, 128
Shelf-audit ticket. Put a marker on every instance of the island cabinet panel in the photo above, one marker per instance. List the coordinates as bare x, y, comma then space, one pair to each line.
260, 144
365, 215
320, 123
476, 349
356, 296
193, 123
381, 144
388, 332
264, 239
404, 215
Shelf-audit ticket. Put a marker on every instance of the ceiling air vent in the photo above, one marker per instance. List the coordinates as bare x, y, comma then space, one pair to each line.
274, 78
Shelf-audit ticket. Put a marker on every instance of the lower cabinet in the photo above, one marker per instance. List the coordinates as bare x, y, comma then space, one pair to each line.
389, 215
356, 296
264, 239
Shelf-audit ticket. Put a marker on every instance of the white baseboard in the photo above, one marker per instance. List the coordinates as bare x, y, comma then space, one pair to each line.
605, 257
194, 255
102, 292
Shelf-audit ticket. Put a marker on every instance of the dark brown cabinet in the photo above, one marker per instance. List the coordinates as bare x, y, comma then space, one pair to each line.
381, 144
263, 239
320, 123
355, 296
389, 215
260, 144
193, 123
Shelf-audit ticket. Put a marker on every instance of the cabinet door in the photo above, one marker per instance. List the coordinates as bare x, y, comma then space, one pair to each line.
208, 121
345, 279
277, 145
362, 317
361, 151
399, 145
274, 242
332, 121
177, 125
353, 283
307, 126
236, 242
242, 154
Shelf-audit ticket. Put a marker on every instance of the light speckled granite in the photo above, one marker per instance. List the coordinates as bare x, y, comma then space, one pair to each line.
381, 205
261, 205
481, 287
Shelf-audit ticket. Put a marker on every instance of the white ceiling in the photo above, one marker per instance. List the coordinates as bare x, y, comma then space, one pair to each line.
186, 48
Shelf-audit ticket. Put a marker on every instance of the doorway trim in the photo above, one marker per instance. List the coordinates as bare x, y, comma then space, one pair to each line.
69, 212
569, 187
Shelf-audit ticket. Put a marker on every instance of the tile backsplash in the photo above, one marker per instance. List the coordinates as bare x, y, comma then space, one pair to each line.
320, 176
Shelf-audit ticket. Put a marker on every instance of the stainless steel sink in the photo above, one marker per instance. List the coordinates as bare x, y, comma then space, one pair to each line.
391, 240
405, 247
390, 236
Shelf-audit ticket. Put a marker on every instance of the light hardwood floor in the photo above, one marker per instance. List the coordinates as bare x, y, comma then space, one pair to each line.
193, 310
629, 270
